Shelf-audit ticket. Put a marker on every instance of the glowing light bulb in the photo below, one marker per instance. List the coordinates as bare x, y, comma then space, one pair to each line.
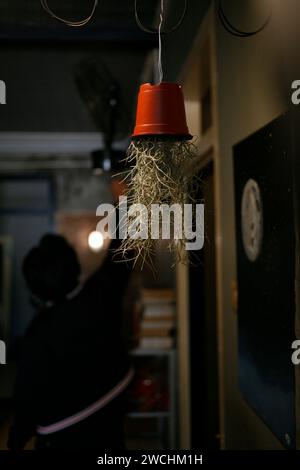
95, 241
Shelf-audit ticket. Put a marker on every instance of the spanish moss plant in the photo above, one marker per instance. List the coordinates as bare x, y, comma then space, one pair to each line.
161, 172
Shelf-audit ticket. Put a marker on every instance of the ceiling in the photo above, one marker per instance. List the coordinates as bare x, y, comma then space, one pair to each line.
46, 53
112, 19
39, 57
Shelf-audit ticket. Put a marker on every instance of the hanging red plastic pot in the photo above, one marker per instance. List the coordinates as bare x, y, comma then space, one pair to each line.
161, 112
160, 157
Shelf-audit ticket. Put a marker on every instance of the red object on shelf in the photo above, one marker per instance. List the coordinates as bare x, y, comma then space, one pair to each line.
161, 111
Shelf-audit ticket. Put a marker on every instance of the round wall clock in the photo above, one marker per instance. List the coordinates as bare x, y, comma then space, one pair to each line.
252, 220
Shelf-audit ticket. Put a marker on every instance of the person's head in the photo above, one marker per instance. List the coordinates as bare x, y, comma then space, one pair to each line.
51, 269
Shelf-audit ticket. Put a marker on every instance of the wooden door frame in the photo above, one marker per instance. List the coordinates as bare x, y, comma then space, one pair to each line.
208, 151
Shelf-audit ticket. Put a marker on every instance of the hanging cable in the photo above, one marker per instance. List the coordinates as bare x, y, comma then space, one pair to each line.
80, 23
230, 28
160, 31
147, 29
161, 19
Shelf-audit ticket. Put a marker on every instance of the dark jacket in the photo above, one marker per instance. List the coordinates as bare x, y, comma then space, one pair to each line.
73, 353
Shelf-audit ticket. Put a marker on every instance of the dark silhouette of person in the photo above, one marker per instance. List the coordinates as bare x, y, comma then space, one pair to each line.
73, 368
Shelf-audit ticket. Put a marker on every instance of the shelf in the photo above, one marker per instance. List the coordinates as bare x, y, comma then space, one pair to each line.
151, 352
148, 414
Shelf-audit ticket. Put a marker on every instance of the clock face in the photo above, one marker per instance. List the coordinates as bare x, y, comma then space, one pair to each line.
252, 220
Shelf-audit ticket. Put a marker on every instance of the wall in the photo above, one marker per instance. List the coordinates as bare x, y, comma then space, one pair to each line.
176, 46
248, 99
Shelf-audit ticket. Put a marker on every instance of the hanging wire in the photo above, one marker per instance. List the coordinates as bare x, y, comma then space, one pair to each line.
160, 66
230, 28
147, 29
77, 24
160, 31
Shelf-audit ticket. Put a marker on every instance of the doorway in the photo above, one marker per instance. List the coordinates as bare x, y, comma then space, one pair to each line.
26, 213
205, 426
